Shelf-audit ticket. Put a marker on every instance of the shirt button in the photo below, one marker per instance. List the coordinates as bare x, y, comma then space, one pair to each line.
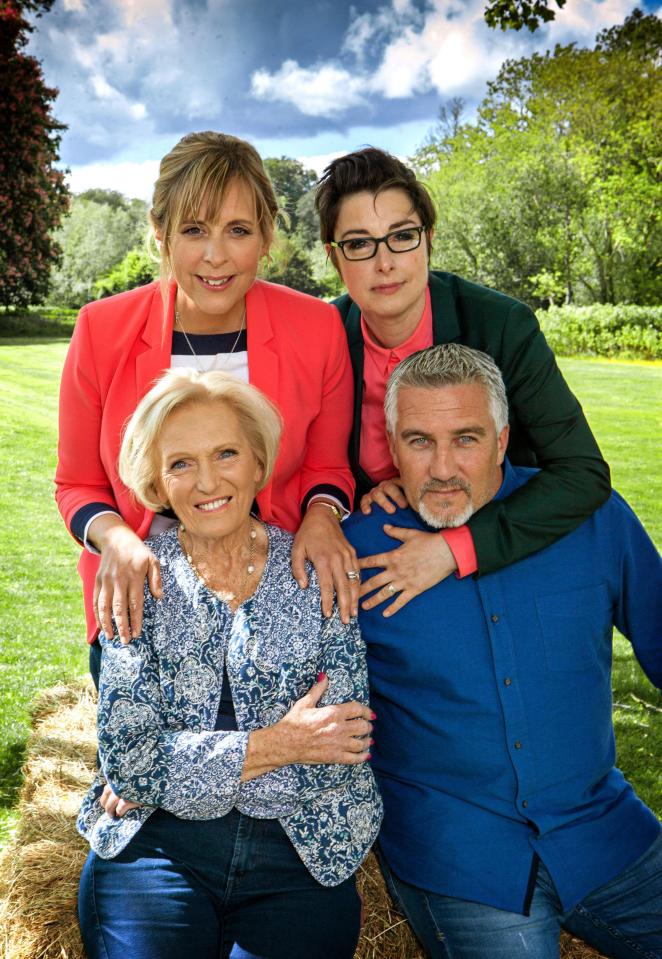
524, 804
494, 618
507, 681
518, 744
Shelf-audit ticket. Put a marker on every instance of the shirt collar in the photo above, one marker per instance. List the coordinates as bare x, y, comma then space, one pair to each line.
420, 337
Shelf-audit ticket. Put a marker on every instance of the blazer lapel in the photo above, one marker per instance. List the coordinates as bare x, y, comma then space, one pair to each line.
263, 360
445, 320
157, 336
355, 344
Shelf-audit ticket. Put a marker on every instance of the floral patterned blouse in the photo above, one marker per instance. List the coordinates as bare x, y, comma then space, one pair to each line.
159, 699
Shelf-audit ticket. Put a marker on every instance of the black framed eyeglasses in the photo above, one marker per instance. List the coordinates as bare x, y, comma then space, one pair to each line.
365, 247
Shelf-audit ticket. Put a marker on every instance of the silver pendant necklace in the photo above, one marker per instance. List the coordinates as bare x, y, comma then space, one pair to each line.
178, 322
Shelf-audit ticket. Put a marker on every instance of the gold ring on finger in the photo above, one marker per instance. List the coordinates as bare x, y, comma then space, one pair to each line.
391, 588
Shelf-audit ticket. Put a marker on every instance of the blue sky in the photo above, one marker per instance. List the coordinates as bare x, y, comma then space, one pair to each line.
302, 79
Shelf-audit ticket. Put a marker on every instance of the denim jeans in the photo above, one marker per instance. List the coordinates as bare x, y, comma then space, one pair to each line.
211, 889
622, 919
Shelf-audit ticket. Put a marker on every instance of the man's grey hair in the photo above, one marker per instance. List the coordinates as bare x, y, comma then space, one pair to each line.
448, 364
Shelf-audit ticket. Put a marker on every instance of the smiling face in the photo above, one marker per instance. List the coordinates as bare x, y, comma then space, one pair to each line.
207, 470
389, 288
215, 262
447, 450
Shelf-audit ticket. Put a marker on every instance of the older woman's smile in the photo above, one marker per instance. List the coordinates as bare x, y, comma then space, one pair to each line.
214, 504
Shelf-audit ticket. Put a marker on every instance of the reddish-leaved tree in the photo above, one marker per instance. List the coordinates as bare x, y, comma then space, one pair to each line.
33, 193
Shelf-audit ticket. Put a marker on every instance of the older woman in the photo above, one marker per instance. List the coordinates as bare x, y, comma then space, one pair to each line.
213, 216
236, 728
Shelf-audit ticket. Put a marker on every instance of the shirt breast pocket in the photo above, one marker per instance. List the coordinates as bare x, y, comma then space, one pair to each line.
576, 626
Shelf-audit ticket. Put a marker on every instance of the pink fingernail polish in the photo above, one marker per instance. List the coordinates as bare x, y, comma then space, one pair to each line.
373, 715
369, 756
321, 677
371, 742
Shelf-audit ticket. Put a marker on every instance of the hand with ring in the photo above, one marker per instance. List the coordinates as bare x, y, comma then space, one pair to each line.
352, 574
420, 562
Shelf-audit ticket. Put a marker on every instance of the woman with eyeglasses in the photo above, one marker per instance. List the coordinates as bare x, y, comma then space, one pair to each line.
377, 222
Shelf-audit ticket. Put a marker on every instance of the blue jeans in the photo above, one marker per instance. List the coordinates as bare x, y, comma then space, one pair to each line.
622, 919
211, 889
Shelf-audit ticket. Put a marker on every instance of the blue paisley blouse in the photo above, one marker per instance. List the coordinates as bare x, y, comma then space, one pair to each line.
159, 698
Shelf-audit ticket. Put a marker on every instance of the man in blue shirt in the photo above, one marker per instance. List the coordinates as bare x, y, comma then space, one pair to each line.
505, 817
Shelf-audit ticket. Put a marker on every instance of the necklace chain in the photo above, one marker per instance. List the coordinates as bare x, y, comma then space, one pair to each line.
178, 322
250, 568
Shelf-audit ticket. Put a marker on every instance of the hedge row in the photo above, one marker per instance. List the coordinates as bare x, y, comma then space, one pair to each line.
628, 332
37, 321
625, 332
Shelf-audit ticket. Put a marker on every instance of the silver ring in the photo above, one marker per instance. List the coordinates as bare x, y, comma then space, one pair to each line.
391, 588
352, 574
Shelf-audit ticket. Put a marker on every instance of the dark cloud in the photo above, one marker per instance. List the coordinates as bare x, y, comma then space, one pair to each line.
130, 71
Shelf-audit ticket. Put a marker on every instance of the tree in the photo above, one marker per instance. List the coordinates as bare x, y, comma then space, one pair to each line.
515, 14
136, 269
554, 192
33, 194
291, 181
95, 237
290, 265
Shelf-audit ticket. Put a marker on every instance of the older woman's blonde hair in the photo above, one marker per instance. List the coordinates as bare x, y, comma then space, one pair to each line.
200, 168
258, 418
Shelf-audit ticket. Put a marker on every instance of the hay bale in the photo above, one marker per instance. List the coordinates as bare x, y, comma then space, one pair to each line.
39, 870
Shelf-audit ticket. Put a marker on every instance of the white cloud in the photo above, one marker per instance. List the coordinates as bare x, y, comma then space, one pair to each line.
449, 49
319, 161
131, 179
323, 91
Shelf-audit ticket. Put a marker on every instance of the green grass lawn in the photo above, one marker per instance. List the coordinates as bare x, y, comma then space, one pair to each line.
41, 621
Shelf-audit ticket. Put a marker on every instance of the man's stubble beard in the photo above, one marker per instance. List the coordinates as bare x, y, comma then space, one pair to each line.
437, 521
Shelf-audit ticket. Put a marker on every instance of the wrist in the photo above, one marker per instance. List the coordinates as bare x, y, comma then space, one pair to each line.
331, 507
104, 528
267, 750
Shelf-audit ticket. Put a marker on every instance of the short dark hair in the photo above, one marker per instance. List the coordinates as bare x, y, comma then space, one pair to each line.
371, 170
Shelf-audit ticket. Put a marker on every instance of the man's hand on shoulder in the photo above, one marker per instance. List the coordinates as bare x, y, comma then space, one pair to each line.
422, 561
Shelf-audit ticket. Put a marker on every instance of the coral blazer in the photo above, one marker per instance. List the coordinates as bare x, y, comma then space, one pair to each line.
297, 355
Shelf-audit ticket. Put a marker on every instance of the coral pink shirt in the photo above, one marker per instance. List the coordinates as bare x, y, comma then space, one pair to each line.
378, 364
375, 456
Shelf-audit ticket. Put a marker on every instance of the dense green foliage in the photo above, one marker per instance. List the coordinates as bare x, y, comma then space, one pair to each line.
628, 332
41, 611
291, 182
37, 321
553, 194
515, 14
101, 228
137, 268
295, 256
33, 195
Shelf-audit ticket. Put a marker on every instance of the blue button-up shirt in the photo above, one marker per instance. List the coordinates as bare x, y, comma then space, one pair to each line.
494, 737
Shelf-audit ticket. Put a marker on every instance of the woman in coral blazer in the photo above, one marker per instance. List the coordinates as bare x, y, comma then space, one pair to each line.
295, 350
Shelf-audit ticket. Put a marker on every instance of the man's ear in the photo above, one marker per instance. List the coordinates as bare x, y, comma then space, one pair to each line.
392, 449
502, 444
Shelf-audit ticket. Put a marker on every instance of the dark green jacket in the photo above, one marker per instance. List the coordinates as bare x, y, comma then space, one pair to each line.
547, 426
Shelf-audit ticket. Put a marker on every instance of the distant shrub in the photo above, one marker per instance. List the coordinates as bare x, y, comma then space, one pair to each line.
136, 269
619, 331
37, 321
